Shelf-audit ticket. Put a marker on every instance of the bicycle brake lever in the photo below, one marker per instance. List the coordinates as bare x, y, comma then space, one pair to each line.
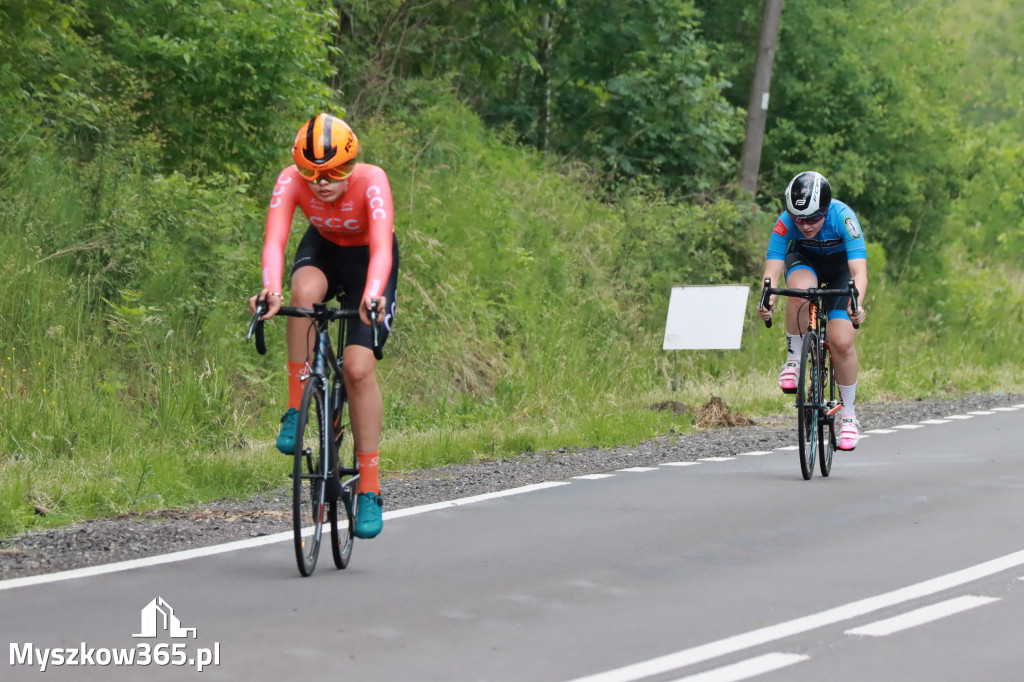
377, 351
256, 326
767, 284
851, 285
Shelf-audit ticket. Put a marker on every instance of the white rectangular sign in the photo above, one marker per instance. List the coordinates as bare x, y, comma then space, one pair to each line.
706, 317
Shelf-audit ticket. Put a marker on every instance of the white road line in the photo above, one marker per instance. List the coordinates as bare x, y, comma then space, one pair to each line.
747, 669
959, 416
936, 421
908, 426
594, 477
790, 447
1006, 409
1021, 405
639, 469
187, 554
755, 453
921, 616
882, 431
715, 459
773, 633
981, 412
678, 464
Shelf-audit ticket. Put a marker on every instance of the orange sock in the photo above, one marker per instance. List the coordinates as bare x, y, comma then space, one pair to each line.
369, 481
296, 373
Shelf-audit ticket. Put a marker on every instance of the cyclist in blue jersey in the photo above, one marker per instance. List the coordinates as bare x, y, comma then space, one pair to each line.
818, 239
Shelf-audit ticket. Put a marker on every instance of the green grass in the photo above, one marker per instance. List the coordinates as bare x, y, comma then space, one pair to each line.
530, 318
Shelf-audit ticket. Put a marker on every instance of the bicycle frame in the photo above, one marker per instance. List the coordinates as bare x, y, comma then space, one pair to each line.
320, 466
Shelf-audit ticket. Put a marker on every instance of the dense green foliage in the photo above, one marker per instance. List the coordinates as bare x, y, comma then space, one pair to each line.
556, 168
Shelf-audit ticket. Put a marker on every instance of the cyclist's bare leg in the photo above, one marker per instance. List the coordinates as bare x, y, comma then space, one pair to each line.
309, 286
841, 336
366, 407
796, 308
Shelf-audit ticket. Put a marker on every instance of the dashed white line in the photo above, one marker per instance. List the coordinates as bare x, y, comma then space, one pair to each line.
959, 416
921, 616
714, 459
638, 469
882, 431
755, 453
936, 421
594, 477
678, 464
1006, 409
790, 447
747, 669
908, 426
981, 412
774, 633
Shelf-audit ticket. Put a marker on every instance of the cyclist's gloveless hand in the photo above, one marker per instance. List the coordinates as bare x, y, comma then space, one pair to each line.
274, 303
369, 303
765, 314
857, 319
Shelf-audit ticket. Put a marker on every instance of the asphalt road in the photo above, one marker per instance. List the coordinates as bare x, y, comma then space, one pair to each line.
906, 564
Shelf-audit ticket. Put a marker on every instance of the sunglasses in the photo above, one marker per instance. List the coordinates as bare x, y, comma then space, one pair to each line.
336, 174
804, 220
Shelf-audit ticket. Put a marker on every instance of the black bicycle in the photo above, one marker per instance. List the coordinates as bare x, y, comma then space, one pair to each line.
816, 394
321, 478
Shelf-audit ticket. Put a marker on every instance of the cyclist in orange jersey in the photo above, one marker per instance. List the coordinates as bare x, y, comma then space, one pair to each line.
350, 246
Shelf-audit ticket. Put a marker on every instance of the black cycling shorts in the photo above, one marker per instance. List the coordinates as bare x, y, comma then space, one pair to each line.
346, 268
833, 272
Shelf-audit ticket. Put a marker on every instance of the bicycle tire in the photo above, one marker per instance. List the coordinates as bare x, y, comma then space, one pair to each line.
342, 538
808, 392
309, 477
827, 443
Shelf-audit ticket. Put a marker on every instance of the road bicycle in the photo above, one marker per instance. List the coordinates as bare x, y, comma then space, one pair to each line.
321, 478
816, 394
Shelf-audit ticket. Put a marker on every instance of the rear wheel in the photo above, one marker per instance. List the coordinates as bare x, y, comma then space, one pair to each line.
827, 427
808, 393
309, 510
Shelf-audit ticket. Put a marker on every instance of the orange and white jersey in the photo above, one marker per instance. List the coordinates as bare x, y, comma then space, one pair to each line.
363, 216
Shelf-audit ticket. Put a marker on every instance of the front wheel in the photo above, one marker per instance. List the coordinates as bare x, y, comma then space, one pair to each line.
309, 476
808, 403
827, 424
342, 510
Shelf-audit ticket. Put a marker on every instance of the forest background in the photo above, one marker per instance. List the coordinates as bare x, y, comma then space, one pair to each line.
556, 166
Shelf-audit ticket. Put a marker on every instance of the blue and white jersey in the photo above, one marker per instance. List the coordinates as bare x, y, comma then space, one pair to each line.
839, 233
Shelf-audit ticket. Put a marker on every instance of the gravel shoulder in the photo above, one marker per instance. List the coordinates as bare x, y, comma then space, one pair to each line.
130, 537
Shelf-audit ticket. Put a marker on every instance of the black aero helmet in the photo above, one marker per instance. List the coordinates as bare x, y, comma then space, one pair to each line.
808, 196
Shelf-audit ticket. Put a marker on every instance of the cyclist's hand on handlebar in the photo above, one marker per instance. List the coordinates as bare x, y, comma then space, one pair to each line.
765, 314
377, 303
273, 300
858, 318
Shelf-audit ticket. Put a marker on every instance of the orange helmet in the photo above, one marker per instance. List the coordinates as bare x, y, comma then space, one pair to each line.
325, 146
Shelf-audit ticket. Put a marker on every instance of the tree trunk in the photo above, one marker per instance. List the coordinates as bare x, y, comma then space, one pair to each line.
757, 107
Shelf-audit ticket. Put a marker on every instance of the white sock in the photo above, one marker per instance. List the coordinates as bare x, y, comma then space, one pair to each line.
794, 345
847, 394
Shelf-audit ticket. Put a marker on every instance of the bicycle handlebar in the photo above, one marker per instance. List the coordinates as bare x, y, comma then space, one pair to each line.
813, 292
319, 312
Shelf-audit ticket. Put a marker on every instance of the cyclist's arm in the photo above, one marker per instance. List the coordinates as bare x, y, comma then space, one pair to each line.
773, 269
283, 201
859, 272
381, 217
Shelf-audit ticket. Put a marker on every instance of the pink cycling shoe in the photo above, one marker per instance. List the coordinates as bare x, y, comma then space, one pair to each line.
849, 433
787, 377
